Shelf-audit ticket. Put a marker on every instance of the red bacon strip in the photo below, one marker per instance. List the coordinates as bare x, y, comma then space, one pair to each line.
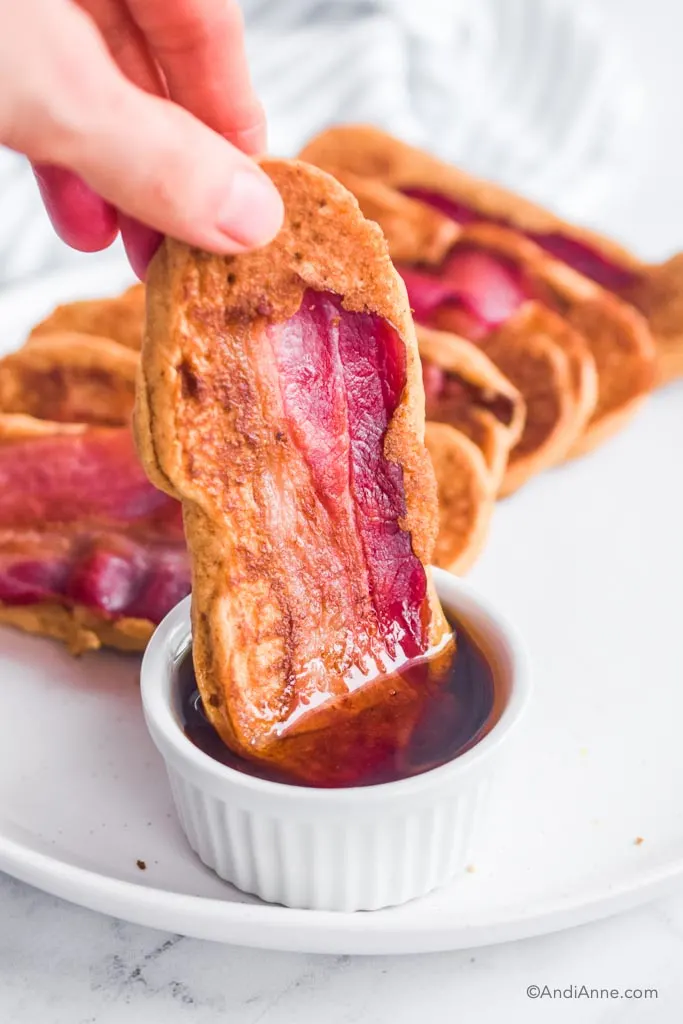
341, 377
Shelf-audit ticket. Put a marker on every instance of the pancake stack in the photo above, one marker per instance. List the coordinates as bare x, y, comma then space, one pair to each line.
655, 290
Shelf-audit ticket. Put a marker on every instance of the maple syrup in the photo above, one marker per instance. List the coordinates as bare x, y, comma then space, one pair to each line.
431, 711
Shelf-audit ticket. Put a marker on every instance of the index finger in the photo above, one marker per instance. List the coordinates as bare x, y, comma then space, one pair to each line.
199, 45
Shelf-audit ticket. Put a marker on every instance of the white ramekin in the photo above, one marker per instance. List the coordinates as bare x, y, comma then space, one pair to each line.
335, 849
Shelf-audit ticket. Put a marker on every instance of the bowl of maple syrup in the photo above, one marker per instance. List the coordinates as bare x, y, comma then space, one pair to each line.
394, 817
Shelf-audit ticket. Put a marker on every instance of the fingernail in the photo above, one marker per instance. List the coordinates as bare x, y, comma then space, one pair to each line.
253, 213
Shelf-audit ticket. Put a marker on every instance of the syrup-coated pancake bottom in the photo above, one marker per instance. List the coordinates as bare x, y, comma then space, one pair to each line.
429, 713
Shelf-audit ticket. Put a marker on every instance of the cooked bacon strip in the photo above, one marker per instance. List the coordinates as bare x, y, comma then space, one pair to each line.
338, 418
89, 550
77, 477
70, 378
121, 319
654, 289
482, 287
281, 402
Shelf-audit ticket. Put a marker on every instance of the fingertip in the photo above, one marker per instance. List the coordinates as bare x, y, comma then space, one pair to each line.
80, 217
140, 242
253, 211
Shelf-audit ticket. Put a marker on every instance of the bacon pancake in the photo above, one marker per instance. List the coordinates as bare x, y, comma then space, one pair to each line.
280, 399
121, 319
464, 281
465, 390
655, 290
90, 552
70, 378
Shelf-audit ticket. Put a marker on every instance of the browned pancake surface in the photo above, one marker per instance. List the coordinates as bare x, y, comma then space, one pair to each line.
70, 378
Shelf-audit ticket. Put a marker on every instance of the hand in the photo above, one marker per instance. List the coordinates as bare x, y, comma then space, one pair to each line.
137, 115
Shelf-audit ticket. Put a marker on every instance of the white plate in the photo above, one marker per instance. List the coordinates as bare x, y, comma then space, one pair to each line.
589, 562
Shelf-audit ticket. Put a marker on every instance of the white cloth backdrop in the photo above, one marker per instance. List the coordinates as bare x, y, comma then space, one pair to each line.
533, 93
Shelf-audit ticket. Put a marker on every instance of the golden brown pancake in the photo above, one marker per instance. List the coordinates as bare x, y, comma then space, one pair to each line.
466, 497
528, 351
657, 292
70, 378
122, 318
77, 627
654, 289
280, 399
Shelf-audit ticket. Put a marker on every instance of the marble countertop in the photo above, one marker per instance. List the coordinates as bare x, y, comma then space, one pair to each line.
60, 964
63, 965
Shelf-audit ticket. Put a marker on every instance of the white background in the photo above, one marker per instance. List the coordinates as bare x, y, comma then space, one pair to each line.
63, 965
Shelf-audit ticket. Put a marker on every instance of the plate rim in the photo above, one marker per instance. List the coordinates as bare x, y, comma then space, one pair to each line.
270, 926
